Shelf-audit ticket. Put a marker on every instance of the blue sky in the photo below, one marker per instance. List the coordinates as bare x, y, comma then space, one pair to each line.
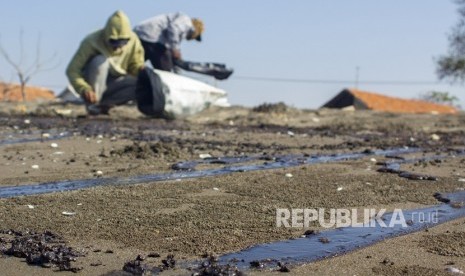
304, 40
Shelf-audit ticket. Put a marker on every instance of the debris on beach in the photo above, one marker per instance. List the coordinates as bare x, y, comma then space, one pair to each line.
138, 267
45, 249
435, 137
204, 156
257, 264
153, 255
169, 262
310, 232
341, 151
454, 270
387, 261
324, 240
405, 174
63, 112
441, 198
68, 214
283, 267
416, 176
271, 108
211, 267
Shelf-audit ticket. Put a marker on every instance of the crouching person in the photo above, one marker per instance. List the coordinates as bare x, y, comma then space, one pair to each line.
162, 35
104, 69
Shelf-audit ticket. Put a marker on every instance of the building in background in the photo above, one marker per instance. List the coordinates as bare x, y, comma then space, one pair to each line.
362, 100
10, 92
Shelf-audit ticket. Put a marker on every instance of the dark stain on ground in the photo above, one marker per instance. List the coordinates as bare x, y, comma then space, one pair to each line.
211, 267
271, 108
346, 239
324, 240
280, 162
270, 265
394, 167
41, 249
138, 267
441, 198
191, 165
310, 232
143, 130
416, 176
408, 175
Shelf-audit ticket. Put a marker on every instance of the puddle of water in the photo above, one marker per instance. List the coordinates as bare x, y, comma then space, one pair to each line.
343, 240
280, 162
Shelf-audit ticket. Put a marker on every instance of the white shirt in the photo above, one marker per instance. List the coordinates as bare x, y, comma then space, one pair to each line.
168, 29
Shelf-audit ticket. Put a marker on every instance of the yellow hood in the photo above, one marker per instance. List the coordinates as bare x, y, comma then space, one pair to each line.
118, 27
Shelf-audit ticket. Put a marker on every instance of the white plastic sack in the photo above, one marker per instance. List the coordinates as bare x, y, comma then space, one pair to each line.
185, 96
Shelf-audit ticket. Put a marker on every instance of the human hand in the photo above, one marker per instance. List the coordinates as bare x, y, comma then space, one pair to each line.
176, 54
90, 97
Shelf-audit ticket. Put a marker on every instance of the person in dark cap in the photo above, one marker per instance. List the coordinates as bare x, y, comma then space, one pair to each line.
162, 35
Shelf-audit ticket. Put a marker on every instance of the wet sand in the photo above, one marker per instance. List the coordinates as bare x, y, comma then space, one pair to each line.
221, 214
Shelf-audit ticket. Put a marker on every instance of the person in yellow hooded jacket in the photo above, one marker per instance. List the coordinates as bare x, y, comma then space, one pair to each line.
104, 69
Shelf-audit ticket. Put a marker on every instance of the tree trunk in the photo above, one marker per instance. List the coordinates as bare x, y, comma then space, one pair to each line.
23, 91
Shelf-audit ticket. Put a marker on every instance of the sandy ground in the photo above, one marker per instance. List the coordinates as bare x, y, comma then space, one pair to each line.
216, 215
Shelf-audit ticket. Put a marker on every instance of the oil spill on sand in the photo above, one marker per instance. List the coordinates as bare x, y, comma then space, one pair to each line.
34, 137
45, 249
395, 166
344, 240
189, 172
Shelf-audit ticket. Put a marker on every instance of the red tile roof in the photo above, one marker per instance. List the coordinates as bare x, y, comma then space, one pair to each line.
12, 93
379, 102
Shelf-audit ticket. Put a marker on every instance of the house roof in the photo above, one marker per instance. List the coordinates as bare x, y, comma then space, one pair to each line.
12, 93
380, 102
